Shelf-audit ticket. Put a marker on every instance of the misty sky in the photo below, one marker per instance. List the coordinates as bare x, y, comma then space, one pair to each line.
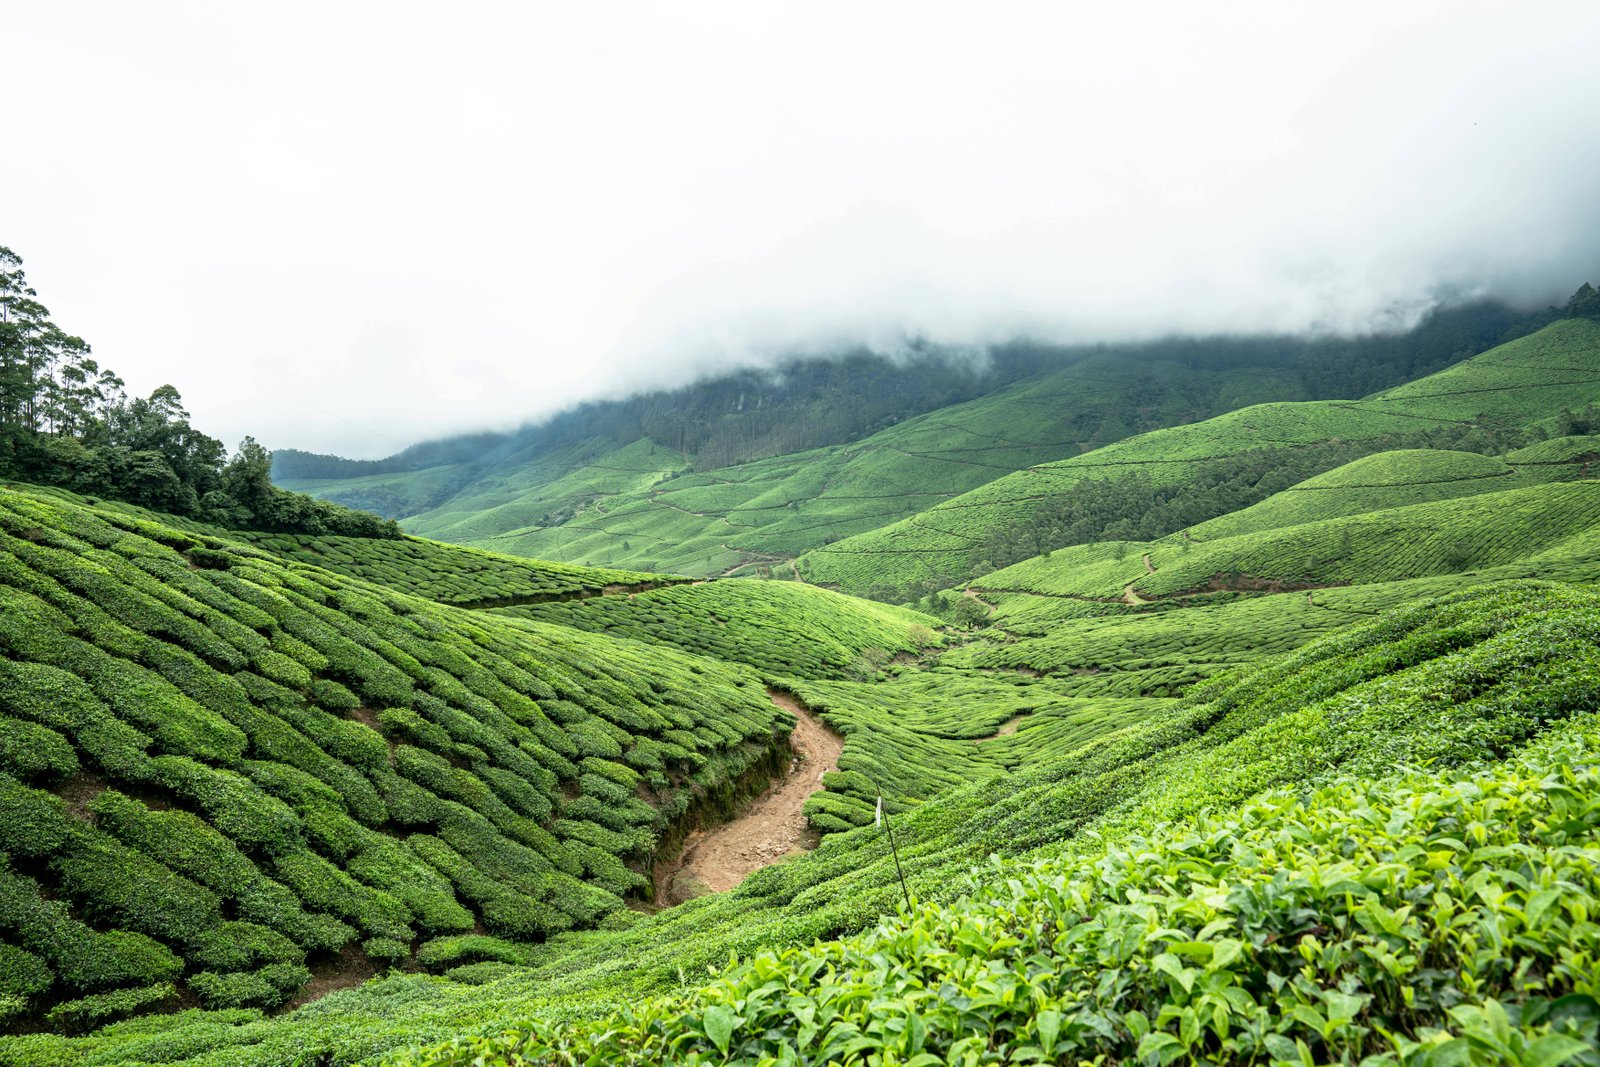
348, 226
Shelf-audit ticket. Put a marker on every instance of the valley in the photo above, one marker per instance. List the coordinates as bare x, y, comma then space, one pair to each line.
277, 797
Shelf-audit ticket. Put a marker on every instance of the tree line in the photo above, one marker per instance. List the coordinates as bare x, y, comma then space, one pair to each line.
67, 421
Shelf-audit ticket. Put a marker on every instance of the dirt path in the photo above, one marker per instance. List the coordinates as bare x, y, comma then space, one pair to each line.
719, 858
1151, 567
1007, 728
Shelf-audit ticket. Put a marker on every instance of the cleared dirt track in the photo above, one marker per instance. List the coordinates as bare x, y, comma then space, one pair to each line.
720, 857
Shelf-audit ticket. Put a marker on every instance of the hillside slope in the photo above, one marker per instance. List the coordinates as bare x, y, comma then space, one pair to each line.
748, 471
1457, 684
223, 774
1516, 384
773, 509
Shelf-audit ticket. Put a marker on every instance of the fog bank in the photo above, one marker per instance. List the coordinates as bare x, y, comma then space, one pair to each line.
345, 228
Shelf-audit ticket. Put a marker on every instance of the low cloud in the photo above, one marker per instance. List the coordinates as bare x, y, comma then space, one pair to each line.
351, 227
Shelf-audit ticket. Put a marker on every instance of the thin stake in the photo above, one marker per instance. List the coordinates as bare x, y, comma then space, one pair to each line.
892, 848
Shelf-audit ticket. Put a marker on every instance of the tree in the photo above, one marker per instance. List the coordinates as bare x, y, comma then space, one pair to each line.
1585, 303
65, 420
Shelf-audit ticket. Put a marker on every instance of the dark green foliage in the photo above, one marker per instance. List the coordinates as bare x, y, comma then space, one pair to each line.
33, 823
64, 420
445, 952
22, 974
89, 1012
114, 886
33, 752
237, 946
82, 958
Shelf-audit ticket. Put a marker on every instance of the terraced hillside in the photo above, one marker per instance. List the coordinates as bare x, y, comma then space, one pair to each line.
1312, 781
743, 474
225, 777
1153, 618
785, 629
1230, 883
1517, 384
770, 510
452, 574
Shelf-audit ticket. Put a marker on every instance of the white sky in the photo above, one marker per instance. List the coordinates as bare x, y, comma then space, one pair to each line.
351, 226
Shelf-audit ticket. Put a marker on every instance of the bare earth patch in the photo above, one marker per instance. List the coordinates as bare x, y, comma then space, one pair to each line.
719, 858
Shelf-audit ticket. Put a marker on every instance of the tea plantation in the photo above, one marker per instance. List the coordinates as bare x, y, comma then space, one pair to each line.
223, 775
782, 628
1521, 383
1313, 778
453, 574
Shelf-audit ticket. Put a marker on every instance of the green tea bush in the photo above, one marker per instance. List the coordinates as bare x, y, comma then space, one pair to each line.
88, 1012
178, 839
1416, 919
117, 887
234, 805
238, 989
238, 946
446, 952
35, 753
325, 887
22, 974
32, 822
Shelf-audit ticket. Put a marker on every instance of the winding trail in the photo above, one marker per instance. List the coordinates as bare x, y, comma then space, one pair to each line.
719, 858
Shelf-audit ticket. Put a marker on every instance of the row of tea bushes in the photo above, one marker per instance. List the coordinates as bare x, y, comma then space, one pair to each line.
220, 770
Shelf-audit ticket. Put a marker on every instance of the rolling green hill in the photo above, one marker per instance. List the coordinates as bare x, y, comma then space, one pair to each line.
784, 629
1516, 384
774, 509
744, 473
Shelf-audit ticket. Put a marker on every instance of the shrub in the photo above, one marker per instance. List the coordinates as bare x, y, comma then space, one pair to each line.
327, 888
176, 838
266, 902
33, 752
101, 1008
386, 951
32, 822
237, 989
236, 807
238, 946
444, 952
115, 886
22, 974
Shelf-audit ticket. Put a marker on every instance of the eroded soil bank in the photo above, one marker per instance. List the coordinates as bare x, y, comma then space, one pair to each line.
718, 858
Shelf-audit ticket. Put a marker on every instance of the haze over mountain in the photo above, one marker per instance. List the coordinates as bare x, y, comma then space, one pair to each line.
397, 226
